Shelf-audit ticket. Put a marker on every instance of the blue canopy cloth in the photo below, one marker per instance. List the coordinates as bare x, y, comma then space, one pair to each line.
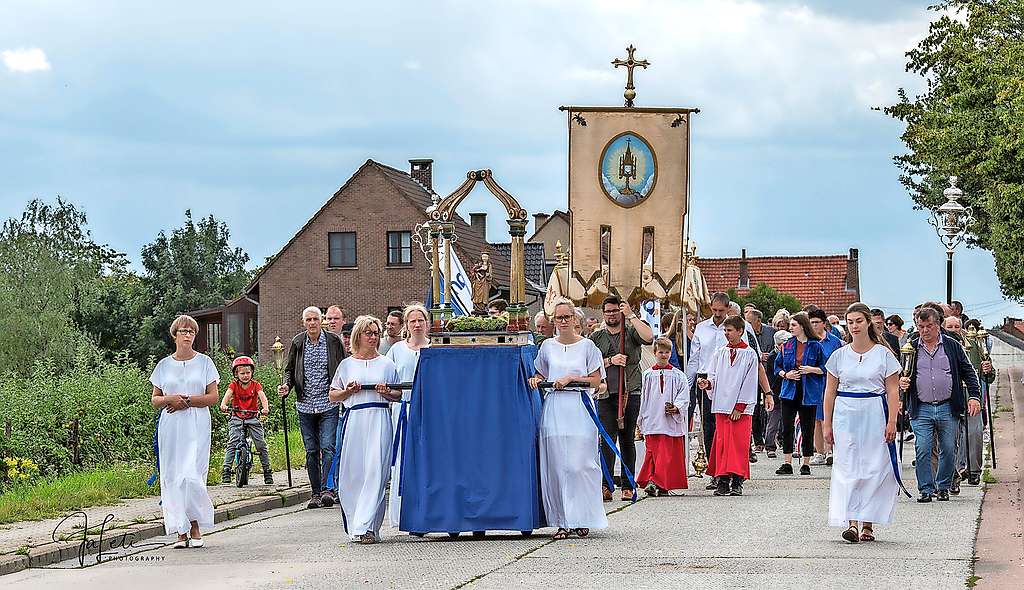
470, 456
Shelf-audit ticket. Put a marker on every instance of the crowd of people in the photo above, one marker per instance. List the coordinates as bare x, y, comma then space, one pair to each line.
806, 382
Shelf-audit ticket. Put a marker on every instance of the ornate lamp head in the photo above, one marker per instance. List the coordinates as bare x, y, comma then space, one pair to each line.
951, 219
278, 350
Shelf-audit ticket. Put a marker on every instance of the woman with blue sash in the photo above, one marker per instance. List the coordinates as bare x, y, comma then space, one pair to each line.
861, 403
363, 460
570, 469
801, 365
406, 356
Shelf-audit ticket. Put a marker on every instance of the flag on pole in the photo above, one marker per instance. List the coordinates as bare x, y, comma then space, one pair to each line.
460, 297
650, 312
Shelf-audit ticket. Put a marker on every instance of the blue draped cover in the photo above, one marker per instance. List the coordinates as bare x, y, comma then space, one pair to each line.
470, 457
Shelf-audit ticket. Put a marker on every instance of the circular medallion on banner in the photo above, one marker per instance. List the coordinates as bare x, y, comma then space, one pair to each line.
628, 169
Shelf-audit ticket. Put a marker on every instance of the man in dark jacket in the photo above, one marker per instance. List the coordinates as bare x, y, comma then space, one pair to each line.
936, 401
313, 358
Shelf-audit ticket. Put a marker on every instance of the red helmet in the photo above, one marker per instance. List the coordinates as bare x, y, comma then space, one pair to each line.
242, 361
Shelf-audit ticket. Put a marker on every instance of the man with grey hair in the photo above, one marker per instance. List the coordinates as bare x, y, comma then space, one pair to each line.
542, 328
941, 380
313, 358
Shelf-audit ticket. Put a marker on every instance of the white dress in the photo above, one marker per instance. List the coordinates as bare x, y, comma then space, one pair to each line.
405, 361
184, 440
570, 468
363, 468
863, 486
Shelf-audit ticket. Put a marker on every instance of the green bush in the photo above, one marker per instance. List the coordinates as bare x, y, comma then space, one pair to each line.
101, 409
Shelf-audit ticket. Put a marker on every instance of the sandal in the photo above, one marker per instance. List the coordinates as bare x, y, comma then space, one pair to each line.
561, 535
850, 534
866, 534
367, 538
581, 532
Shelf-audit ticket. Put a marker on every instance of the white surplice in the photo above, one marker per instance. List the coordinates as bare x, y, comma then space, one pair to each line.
733, 380
183, 437
405, 361
863, 486
661, 386
570, 468
365, 460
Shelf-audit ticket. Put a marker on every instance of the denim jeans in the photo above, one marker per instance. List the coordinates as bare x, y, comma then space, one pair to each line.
931, 424
318, 433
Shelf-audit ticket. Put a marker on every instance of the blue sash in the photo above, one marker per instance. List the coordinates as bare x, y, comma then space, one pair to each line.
403, 420
892, 445
344, 422
589, 405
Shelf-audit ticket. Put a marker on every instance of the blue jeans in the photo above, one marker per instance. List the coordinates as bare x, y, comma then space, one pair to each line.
318, 432
931, 424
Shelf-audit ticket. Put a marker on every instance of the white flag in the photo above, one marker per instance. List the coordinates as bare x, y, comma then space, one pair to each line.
460, 297
650, 312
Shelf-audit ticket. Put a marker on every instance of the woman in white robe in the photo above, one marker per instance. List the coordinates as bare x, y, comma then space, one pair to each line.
364, 458
184, 387
861, 403
570, 470
406, 356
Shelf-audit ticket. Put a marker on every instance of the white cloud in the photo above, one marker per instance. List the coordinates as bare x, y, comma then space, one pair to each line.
412, 65
25, 60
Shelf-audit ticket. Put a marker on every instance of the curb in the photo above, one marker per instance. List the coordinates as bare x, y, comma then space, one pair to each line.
56, 552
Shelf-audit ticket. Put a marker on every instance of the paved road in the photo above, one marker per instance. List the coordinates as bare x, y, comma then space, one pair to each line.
773, 537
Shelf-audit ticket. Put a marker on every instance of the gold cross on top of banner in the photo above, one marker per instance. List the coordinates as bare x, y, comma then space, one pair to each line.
630, 62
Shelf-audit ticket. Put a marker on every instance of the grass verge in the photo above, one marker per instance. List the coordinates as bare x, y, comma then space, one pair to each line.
49, 498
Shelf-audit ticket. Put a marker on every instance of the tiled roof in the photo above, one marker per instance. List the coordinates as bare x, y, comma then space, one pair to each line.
534, 255
470, 242
820, 280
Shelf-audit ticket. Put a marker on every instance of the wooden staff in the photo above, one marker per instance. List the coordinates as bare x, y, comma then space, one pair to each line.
622, 371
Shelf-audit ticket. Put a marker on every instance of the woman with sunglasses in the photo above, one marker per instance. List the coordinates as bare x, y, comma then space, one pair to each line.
364, 457
570, 472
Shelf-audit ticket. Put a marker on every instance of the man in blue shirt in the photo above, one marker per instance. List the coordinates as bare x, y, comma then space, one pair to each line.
829, 344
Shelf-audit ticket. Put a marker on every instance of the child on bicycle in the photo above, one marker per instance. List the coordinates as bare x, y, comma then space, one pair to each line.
240, 402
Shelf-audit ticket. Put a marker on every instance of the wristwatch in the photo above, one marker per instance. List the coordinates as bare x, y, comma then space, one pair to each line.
631, 317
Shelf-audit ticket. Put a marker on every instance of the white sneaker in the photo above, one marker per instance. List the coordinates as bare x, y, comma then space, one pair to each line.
818, 459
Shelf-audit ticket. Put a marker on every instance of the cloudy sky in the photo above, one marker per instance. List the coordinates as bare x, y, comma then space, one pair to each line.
257, 112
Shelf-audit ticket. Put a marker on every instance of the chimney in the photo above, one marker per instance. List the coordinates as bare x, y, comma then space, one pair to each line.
478, 221
422, 172
744, 270
538, 220
853, 272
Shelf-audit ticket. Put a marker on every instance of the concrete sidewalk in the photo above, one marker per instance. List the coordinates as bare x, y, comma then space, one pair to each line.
775, 536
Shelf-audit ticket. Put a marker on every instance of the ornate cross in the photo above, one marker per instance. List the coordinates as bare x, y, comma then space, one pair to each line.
630, 62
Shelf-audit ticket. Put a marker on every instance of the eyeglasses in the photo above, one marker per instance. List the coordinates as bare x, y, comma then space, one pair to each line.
563, 318
186, 331
611, 311
372, 334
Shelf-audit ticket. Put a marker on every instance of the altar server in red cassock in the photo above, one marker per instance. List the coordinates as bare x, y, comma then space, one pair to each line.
664, 400
732, 386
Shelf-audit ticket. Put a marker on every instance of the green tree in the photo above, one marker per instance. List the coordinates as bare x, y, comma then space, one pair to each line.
767, 300
49, 267
113, 314
192, 268
969, 122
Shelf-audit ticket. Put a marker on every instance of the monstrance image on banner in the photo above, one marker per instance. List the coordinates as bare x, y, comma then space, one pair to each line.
628, 169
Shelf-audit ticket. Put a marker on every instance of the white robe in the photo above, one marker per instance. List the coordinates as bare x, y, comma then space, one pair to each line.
184, 440
863, 486
365, 460
405, 361
733, 382
653, 419
570, 468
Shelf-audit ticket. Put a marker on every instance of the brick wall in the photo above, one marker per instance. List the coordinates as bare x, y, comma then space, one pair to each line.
370, 206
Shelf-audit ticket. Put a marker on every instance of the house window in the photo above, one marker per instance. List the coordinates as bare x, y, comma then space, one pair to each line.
399, 248
212, 337
341, 249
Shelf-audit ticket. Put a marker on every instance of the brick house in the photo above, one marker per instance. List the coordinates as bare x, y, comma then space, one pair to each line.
357, 251
830, 282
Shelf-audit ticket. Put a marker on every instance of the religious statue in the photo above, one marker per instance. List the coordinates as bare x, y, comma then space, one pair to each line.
481, 281
696, 296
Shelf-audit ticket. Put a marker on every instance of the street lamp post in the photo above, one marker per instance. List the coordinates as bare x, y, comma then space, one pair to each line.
951, 221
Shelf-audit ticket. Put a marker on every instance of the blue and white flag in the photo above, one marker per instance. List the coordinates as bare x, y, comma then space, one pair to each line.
460, 297
650, 312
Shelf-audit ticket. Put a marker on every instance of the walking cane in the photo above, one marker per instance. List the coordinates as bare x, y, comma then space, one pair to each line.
278, 350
